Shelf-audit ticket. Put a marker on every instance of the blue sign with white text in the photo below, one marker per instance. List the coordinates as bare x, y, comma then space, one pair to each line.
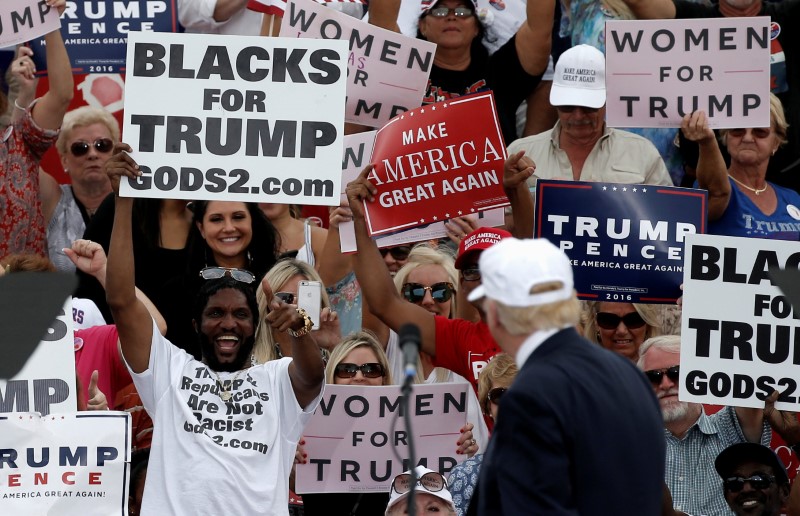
95, 32
625, 241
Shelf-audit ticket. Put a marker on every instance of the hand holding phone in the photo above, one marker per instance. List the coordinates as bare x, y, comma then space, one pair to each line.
309, 298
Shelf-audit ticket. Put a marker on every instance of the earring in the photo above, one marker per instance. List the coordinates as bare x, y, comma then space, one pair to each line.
597, 336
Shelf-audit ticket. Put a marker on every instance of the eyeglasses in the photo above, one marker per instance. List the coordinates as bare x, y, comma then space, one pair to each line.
81, 148
656, 375
440, 292
286, 297
372, 370
431, 481
399, 253
471, 274
570, 109
757, 132
219, 272
757, 481
495, 394
609, 321
443, 12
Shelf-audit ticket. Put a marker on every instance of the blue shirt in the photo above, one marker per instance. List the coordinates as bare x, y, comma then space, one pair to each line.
743, 218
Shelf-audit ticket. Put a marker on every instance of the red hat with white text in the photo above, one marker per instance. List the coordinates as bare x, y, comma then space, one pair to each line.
477, 241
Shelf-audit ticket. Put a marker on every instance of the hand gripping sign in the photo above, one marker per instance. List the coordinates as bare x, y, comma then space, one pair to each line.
435, 162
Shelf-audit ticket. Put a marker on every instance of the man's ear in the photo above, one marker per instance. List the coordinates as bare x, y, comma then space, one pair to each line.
784, 493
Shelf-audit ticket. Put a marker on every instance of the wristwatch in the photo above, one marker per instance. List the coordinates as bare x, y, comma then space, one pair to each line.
307, 325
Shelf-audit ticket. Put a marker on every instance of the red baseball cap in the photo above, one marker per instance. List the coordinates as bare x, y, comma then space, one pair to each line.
478, 241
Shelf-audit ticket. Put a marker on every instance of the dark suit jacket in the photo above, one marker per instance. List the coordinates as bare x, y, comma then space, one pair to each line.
578, 432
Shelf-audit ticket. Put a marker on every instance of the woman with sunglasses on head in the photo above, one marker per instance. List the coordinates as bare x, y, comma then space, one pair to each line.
227, 238
24, 142
284, 279
621, 327
740, 200
87, 137
493, 382
462, 64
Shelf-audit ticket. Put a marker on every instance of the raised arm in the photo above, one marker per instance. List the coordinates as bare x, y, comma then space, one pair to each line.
712, 174
383, 13
534, 37
307, 370
516, 171
49, 111
752, 422
376, 283
333, 265
652, 9
130, 314
89, 257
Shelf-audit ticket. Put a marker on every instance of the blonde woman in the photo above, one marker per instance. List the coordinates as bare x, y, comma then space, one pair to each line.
621, 327
284, 278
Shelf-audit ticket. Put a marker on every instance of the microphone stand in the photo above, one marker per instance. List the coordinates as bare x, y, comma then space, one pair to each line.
405, 390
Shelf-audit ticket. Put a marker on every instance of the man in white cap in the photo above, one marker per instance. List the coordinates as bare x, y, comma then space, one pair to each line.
580, 147
578, 418
430, 494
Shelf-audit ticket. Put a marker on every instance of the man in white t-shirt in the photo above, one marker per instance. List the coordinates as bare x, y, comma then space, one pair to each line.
225, 433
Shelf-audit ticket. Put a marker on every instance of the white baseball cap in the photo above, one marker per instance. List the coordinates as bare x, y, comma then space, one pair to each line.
580, 78
511, 269
420, 487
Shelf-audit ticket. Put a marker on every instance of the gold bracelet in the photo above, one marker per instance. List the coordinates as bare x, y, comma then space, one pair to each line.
307, 325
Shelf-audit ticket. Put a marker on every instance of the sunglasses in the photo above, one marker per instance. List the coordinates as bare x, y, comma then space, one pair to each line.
440, 292
443, 12
219, 272
431, 481
570, 109
609, 321
81, 148
471, 274
286, 297
495, 394
399, 253
757, 481
371, 370
656, 375
758, 132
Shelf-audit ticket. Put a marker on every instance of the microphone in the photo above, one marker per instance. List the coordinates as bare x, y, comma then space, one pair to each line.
409, 338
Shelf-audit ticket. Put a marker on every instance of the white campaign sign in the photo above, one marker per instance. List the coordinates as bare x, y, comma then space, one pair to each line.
235, 117
46, 384
65, 464
739, 337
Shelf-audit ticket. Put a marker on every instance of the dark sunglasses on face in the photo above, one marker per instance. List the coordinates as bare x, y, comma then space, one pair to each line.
440, 292
757, 481
81, 148
609, 321
495, 394
218, 272
399, 253
570, 109
443, 12
431, 481
758, 132
656, 375
471, 274
346, 370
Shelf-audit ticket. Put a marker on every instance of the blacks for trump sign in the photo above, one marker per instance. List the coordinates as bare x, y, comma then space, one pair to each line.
235, 118
625, 241
740, 337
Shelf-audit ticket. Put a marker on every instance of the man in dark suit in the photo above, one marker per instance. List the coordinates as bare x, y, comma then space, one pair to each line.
579, 431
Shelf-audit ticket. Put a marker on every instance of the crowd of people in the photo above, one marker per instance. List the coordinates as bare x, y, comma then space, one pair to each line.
572, 405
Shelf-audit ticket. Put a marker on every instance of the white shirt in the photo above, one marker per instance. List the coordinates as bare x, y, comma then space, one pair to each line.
198, 16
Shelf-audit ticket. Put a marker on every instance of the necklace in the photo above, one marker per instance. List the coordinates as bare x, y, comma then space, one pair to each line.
225, 394
757, 191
